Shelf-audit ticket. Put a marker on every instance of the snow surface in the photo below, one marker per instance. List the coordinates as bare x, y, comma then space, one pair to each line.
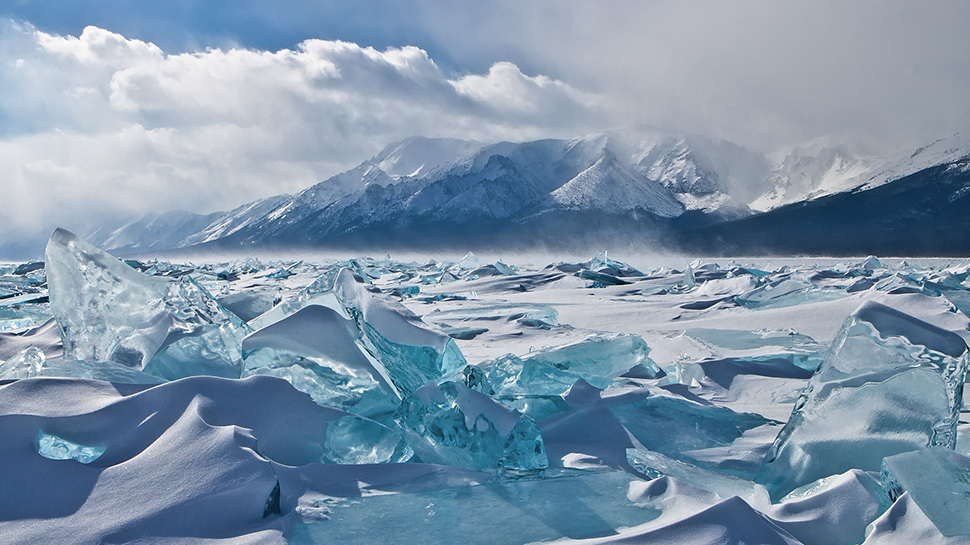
197, 460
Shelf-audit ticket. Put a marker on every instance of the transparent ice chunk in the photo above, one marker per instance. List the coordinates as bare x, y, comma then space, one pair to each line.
655, 465
452, 425
329, 385
404, 351
53, 447
507, 270
674, 427
467, 263
890, 383
24, 316
410, 353
319, 292
251, 303
97, 370
938, 480
599, 358
511, 375
571, 504
788, 291
26, 363
355, 440
108, 311
319, 352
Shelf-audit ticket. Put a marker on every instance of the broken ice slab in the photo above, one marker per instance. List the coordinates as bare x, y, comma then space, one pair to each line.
26, 363
355, 393
23, 316
467, 263
53, 447
655, 465
764, 347
402, 348
97, 370
251, 303
535, 407
570, 504
786, 292
602, 278
461, 333
938, 480
317, 351
511, 375
890, 383
528, 314
319, 292
599, 358
674, 426
452, 425
355, 440
410, 353
507, 270
108, 311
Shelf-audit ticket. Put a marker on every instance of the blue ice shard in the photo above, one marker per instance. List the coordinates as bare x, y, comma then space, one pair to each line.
655, 465
318, 351
108, 311
598, 359
890, 383
674, 427
405, 351
511, 375
938, 480
410, 353
452, 425
53, 447
355, 440
24, 364
785, 292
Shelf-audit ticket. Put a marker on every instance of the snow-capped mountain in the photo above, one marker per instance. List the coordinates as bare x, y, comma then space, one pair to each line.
459, 184
609, 185
818, 170
633, 181
153, 231
916, 206
811, 172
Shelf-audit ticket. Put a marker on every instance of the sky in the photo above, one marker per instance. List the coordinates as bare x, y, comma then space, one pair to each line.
117, 107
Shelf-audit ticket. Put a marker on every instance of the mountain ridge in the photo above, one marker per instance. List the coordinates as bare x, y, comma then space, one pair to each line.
648, 185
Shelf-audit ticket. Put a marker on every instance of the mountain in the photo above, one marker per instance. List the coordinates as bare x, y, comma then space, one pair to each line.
811, 172
818, 170
649, 187
152, 232
424, 187
924, 213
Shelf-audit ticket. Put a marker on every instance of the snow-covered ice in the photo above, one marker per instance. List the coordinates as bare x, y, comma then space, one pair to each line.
482, 400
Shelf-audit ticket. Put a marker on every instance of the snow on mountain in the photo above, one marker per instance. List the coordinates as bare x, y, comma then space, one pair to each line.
418, 157
456, 184
235, 220
945, 150
704, 174
609, 185
807, 173
153, 231
815, 171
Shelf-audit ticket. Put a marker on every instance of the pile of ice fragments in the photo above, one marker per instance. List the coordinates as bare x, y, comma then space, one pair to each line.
380, 401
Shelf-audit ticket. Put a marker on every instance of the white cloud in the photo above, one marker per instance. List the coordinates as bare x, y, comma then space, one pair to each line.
101, 124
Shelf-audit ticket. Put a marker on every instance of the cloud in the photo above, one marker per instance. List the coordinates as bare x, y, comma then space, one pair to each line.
764, 73
99, 124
